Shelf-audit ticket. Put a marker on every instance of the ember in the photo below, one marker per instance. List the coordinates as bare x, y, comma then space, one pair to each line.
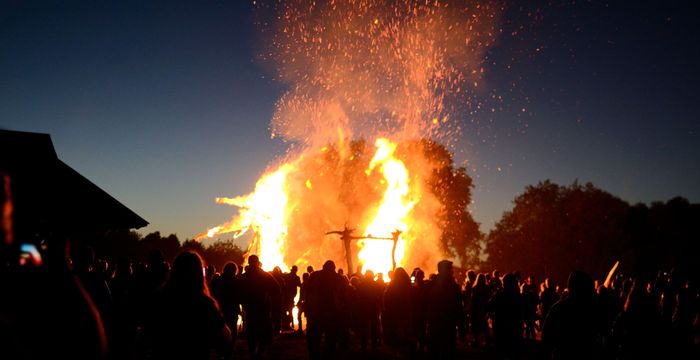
392, 72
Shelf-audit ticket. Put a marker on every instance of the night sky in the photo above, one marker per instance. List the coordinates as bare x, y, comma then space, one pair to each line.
166, 105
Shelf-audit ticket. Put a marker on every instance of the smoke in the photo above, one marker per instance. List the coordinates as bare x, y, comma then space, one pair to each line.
355, 70
362, 68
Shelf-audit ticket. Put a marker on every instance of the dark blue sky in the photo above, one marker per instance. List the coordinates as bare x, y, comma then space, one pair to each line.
165, 106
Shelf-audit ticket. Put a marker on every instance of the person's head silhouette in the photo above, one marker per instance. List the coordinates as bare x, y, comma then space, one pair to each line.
230, 269
253, 261
580, 285
329, 266
187, 274
510, 283
445, 268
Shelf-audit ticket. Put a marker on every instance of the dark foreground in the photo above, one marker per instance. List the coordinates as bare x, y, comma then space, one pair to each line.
292, 346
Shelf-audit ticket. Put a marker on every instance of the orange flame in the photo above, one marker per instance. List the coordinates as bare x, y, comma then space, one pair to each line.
264, 212
357, 69
284, 198
391, 215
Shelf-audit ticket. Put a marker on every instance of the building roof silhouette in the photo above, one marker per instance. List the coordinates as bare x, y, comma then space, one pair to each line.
48, 196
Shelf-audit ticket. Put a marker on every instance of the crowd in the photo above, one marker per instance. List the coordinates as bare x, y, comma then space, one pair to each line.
189, 310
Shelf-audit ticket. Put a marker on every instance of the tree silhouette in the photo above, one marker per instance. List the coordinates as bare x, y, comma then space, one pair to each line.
115, 244
555, 229
170, 245
193, 245
663, 235
452, 186
221, 252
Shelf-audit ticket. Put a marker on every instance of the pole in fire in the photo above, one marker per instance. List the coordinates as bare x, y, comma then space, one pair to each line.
346, 236
395, 238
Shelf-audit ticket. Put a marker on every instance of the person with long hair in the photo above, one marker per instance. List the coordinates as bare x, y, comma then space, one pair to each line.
185, 322
480, 295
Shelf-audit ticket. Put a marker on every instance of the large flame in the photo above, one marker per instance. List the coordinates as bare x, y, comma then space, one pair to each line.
392, 212
393, 72
264, 213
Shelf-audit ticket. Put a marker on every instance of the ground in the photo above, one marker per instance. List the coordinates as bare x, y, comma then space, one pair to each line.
292, 346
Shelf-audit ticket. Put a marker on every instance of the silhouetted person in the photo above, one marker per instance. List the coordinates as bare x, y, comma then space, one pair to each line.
346, 321
495, 281
419, 296
83, 260
277, 306
397, 314
214, 278
369, 301
260, 292
301, 304
210, 273
636, 332
443, 312
380, 280
358, 272
292, 283
467, 300
149, 279
353, 305
665, 294
124, 320
481, 293
506, 308
530, 301
548, 297
608, 311
226, 290
685, 320
46, 313
325, 306
571, 328
157, 270
185, 321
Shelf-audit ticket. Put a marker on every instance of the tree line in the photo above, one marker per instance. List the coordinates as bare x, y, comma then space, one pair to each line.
117, 244
554, 229
551, 230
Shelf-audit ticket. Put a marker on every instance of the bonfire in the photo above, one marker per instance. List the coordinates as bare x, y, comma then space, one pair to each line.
373, 87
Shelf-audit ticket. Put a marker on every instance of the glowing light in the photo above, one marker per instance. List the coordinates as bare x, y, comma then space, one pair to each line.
213, 231
263, 212
392, 212
354, 70
295, 311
